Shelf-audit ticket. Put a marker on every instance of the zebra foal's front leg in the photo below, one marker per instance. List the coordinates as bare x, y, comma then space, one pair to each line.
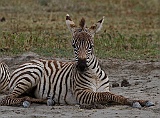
110, 97
98, 99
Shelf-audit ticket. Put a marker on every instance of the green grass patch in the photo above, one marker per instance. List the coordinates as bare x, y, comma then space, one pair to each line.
130, 30
132, 47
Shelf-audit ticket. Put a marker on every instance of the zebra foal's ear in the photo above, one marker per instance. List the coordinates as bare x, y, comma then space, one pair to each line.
70, 24
97, 27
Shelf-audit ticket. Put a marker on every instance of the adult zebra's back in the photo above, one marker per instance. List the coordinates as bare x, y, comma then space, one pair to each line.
82, 81
4, 77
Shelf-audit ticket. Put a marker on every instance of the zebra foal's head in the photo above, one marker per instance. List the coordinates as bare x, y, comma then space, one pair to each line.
83, 41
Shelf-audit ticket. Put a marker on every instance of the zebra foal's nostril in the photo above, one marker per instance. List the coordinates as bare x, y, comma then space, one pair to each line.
82, 65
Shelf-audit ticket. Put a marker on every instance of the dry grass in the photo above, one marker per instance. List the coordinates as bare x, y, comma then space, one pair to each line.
131, 28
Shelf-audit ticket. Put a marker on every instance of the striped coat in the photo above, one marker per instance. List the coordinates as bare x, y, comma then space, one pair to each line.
4, 77
57, 80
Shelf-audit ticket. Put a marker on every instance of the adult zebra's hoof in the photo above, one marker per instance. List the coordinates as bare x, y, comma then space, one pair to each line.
136, 105
50, 102
148, 104
26, 104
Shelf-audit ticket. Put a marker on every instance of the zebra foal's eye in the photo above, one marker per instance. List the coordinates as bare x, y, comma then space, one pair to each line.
91, 46
74, 46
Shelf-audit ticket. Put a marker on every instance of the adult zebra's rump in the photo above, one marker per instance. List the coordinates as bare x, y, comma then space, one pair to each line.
4, 77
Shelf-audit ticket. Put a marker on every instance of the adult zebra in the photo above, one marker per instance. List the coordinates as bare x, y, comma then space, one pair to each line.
81, 82
4, 77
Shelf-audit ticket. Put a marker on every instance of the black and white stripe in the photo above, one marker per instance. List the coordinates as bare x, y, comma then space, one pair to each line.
4, 77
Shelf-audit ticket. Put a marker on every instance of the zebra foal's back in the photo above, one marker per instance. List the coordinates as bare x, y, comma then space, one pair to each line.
56, 82
44, 79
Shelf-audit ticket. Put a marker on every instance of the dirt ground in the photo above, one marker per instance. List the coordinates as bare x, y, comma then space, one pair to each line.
143, 77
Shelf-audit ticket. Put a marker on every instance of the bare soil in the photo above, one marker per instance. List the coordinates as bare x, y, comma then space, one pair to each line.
144, 83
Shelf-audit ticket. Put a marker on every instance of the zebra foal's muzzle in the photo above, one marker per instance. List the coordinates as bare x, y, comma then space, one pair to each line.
81, 65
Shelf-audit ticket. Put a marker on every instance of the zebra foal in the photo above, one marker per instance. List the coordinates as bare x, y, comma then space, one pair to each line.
80, 82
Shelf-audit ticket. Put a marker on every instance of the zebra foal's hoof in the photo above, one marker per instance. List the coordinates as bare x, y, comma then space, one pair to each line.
26, 104
136, 105
148, 104
50, 102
